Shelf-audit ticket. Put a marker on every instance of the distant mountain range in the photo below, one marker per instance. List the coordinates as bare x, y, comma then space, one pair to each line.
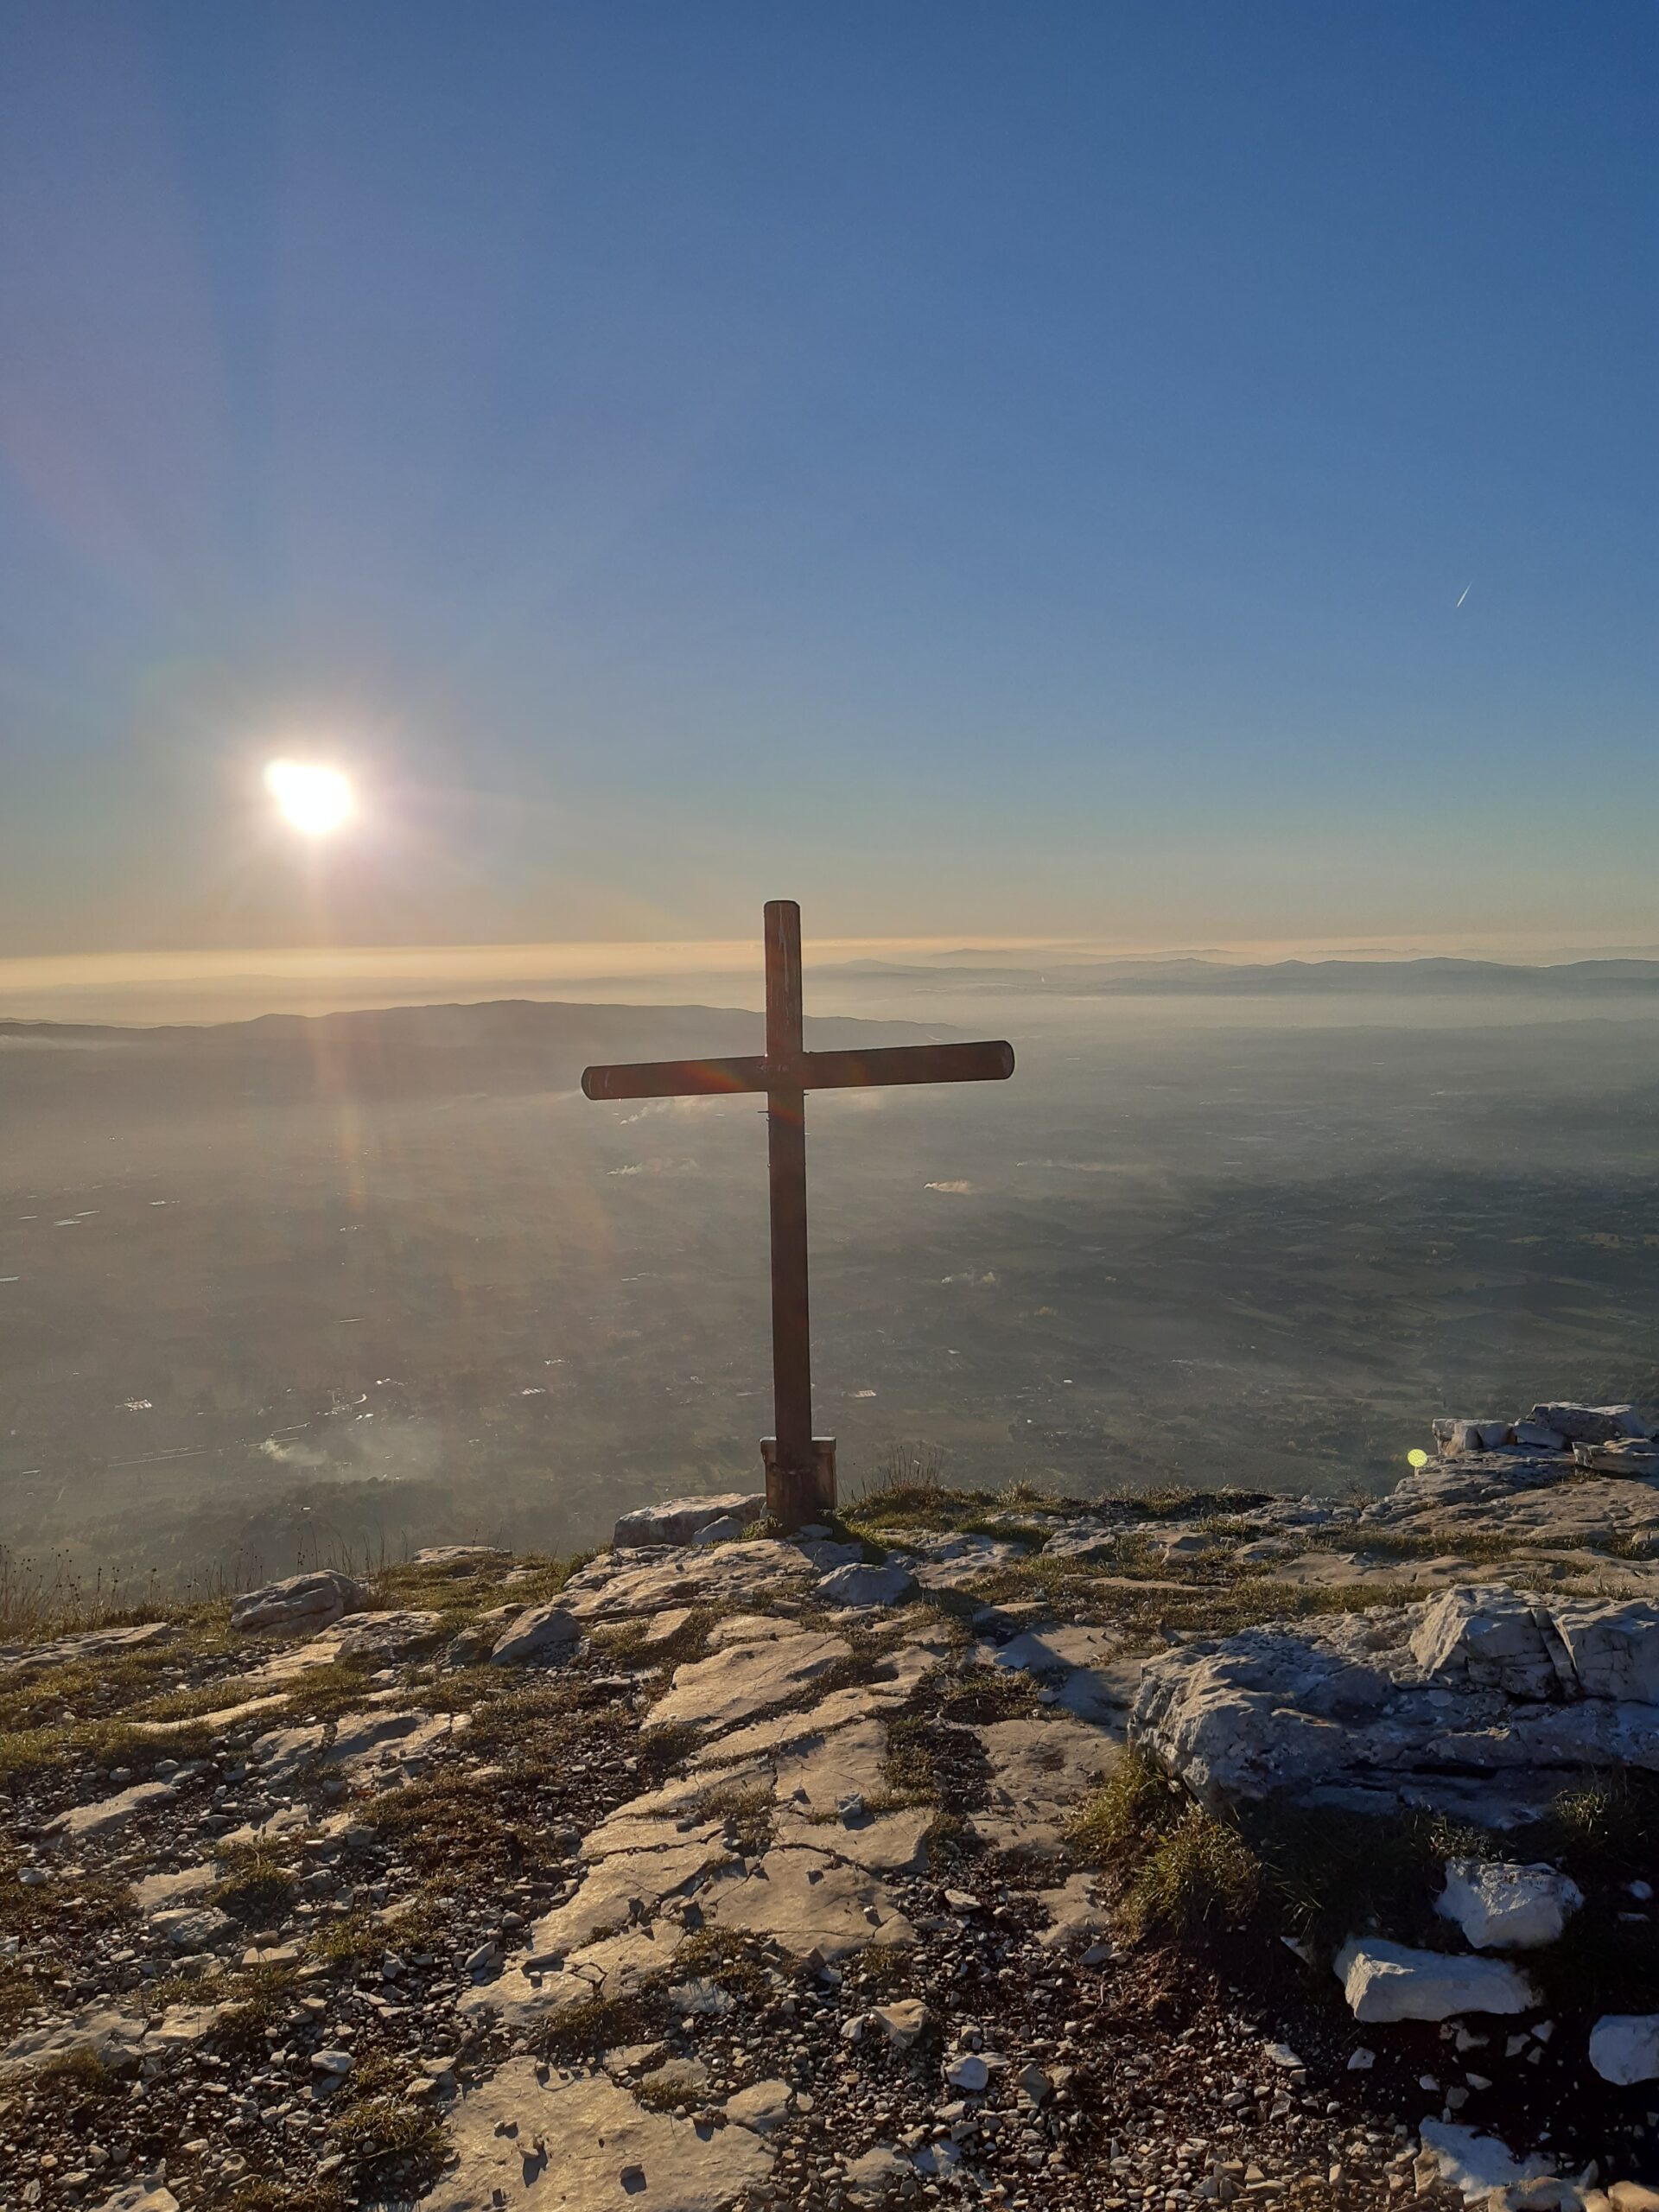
1282, 978
502, 1047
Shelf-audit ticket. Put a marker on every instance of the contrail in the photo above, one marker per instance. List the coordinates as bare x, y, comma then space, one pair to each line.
1465, 593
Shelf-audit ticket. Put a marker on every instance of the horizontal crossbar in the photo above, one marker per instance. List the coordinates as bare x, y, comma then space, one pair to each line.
893, 1064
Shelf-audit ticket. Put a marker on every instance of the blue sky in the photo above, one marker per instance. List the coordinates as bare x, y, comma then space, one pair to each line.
984, 469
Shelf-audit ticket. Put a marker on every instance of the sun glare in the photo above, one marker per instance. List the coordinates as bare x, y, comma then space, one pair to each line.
314, 799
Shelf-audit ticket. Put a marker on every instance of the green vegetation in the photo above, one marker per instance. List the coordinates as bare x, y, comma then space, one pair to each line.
1181, 1871
257, 1889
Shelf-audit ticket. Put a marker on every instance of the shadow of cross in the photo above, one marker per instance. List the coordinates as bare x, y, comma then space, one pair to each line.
800, 1470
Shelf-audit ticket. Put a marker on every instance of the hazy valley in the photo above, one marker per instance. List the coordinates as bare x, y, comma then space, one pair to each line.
288, 1287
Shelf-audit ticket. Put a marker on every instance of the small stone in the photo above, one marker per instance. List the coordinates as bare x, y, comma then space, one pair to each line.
969, 2073
1624, 2047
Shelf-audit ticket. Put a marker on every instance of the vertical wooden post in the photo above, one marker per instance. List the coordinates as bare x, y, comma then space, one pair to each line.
791, 1483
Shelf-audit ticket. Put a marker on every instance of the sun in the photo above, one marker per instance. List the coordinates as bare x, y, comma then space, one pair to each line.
315, 799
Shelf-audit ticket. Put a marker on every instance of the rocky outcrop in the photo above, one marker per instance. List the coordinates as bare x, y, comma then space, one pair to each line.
1482, 1702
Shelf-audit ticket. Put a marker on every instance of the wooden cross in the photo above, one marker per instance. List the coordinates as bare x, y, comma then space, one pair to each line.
800, 1469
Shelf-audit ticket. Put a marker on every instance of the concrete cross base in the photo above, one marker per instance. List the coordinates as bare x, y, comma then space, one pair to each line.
798, 1498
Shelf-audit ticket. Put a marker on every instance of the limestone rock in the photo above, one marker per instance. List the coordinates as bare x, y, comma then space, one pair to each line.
108, 1813
86, 1644
876, 2177
189, 1928
904, 2022
1040, 1770
1474, 1703
1391, 1982
1590, 1424
140, 2196
114, 2037
1624, 2047
889, 1583
1477, 2163
1501, 1906
1489, 1638
623, 1586
734, 1684
818, 1772
376, 1638
460, 1559
539, 1632
158, 1892
682, 1520
763, 2106
299, 1604
582, 2144
881, 1843
808, 1901
625, 1886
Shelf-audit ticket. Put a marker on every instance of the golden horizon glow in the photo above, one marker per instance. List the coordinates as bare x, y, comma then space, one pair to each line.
314, 799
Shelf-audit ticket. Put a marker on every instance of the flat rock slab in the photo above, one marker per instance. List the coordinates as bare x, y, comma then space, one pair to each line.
819, 1773
1086, 1673
734, 1685
881, 1843
1076, 1918
614, 1966
228, 1716
88, 1643
583, 2144
1530, 1501
808, 1901
108, 2034
117, 2039
624, 1887
942, 1562
365, 1746
161, 1892
622, 1585
109, 1812
1040, 1770
682, 1797
357, 1637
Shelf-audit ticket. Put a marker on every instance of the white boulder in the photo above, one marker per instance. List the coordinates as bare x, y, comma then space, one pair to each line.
1477, 2163
301, 1603
1624, 2047
1391, 1982
537, 1632
1500, 1906
887, 1584
682, 1520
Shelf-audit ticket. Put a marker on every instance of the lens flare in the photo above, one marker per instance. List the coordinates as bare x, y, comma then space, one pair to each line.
314, 800
1417, 1459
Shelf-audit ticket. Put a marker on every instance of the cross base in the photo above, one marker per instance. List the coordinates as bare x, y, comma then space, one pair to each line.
797, 1498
